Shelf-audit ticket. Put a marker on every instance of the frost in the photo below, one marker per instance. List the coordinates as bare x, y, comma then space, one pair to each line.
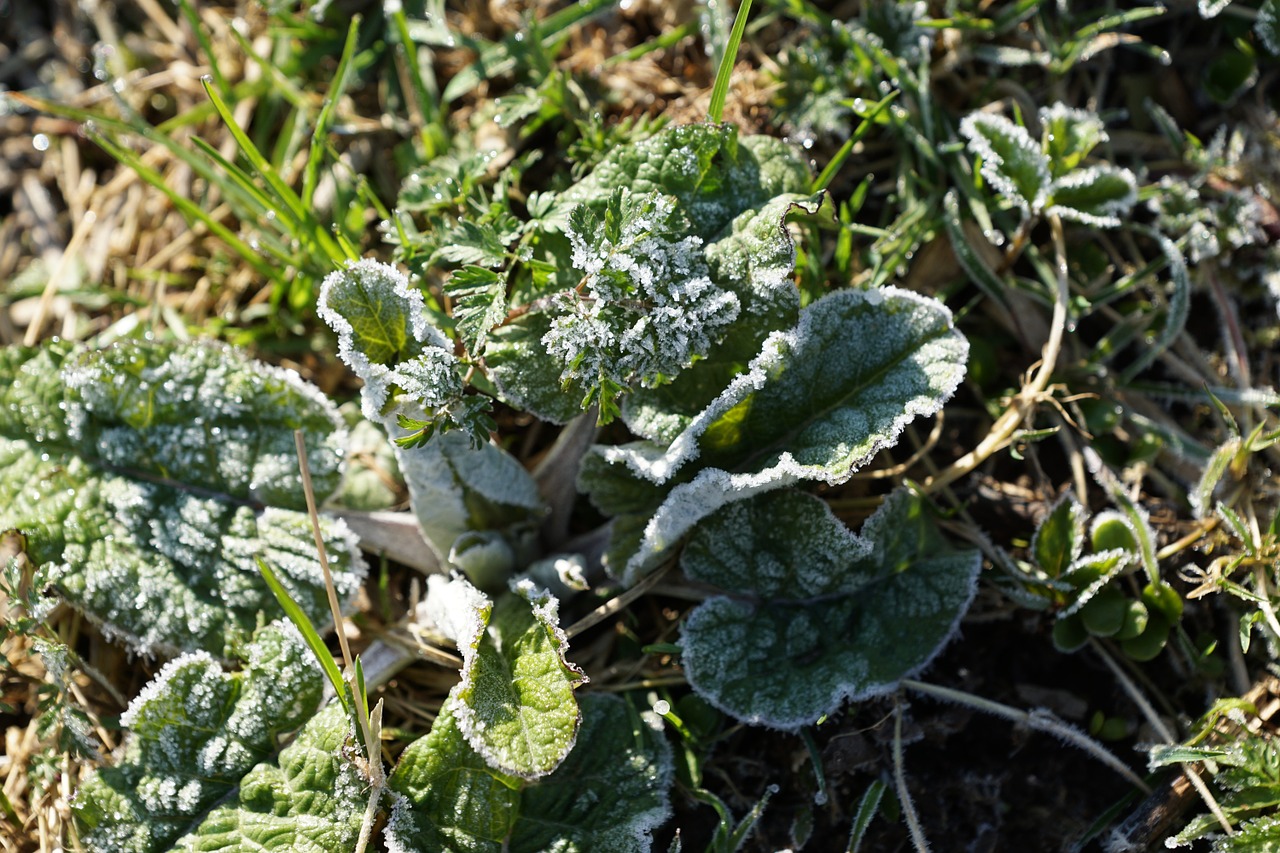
1095, 195
646, 306
1012, 162
515, 704
812, 615
407, 365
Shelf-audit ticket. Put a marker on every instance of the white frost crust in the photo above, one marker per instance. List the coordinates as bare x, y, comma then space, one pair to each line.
159, 685
658, 465
459, 610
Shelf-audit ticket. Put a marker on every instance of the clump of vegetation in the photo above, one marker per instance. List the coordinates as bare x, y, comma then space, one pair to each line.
733, 395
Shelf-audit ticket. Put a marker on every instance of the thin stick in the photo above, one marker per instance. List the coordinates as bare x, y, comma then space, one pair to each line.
1002, 430
51, 286
336, 609
613, 605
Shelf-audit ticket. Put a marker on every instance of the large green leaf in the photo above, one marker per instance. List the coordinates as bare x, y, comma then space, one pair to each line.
515, 704
714, 174
814, 615
148, 477
607, 796
195, 731
817, 403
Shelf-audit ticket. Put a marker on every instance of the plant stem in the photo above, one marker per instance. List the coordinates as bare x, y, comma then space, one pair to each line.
909, 813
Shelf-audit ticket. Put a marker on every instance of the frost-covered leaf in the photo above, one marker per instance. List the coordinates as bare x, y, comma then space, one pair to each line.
526, 375
713, 177
1070, 134
1012, 162
384, 336
1094, 195
753, 258
515, 704
712, 173
479, 303
607, 796
1060, 537
311, 800
194, 732
814, 615
645, 307
1267, 26
148, 477
457, 490
817, 403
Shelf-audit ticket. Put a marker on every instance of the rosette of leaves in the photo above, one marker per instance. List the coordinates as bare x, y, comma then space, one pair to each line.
148, 477
1048, 177
198, 769
674, 286
1083, 588
811, 615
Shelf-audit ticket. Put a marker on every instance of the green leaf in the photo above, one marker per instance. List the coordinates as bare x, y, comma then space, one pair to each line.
515, 704
814, 615
817, 403
385, 337
608, 795
1095, 195
754, 258
526, 375
195, 731
149, 477
1060, 537
1012, 162
479, 303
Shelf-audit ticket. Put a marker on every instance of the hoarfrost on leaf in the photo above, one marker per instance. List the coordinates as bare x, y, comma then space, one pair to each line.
195, 731
817, 403
1012, 162
147, 505
811, 615
646, 306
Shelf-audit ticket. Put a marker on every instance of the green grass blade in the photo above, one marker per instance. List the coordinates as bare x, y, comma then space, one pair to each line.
202, 37
189, 209
725, 72
311, 174
308, 631
824, 180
